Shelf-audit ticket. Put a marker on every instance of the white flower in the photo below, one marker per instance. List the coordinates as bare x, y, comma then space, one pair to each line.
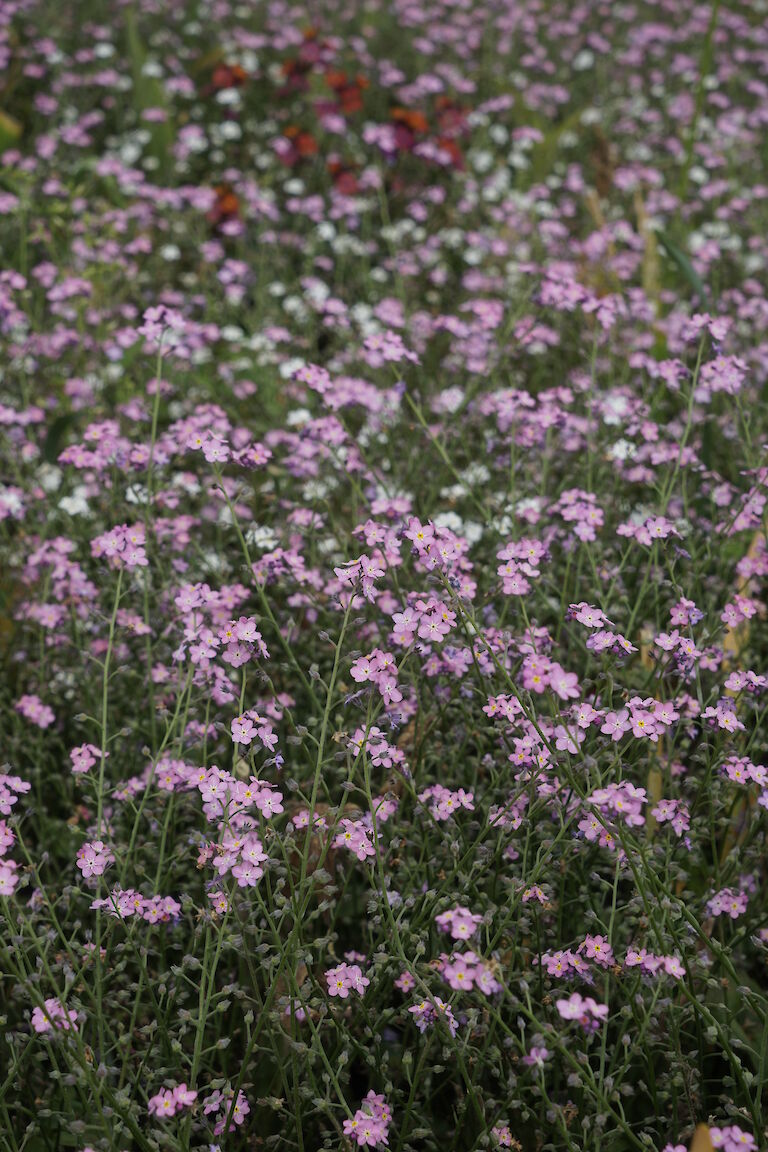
76, 504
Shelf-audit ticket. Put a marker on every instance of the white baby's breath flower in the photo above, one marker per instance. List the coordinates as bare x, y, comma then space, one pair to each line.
212, 560
316, 490
136, 494
186, 482
298, 416
623, 450
261, 536
49, 477
229, 97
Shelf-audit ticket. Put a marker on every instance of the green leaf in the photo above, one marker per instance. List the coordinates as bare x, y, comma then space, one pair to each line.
10, 131
148, 92
54, 441
687, 269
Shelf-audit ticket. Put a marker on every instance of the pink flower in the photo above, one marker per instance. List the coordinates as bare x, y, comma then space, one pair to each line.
122, 546
84, 757
247, 874
558, 963
587, 615
387, 685
370, 1124
94, 858
361, 669
54, 1016
344, 978
234, 1112
459, 974
33, 709
425, 1013
163, 1104
216, 451
8, 877
616, 724
243, 730
564, 684
728, 902
584, 1009
446, 803
11, 787
387, 347
184, 1096
598, 949
732, 1139
355, 836
460, 922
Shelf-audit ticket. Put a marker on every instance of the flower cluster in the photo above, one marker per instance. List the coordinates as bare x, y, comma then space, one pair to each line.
32, 708
122, 904
370, 1124
426, 1012
123, 546
346, 977
589, 1014
460, 922
228, 1110
732, 1138
169, 1101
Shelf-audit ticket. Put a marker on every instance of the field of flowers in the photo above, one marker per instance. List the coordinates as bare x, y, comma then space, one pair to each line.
383, 558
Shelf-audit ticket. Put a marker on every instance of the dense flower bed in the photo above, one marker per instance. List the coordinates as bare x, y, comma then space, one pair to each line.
382, 598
